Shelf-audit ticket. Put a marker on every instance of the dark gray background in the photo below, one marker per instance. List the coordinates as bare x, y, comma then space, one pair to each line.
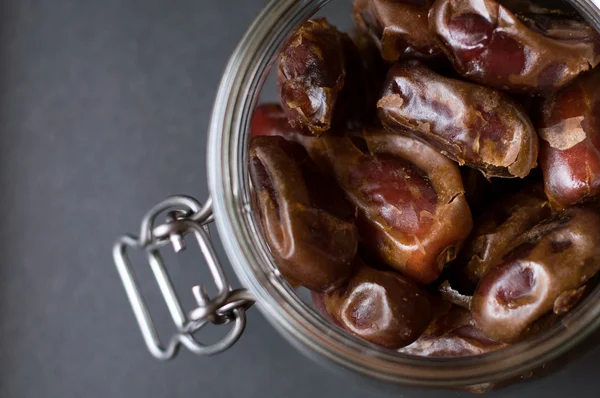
103, 112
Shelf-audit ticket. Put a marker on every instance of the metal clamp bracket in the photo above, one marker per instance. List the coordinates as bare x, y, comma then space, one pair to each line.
185, 216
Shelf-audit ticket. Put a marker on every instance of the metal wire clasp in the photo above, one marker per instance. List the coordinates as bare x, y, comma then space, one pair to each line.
185, 216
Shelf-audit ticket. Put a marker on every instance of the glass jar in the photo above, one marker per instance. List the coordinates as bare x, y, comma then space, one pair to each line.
237, 97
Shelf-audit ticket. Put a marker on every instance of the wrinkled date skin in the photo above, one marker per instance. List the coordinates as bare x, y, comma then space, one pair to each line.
452, 335
412, 214
381, 307
471, 124
569, 128
320, 77
307, 224
536, 51
399, 27
545, 272
496, 230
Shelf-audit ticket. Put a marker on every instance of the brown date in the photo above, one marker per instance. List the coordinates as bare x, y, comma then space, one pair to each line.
308, 226
320, 76
412, 214
569, 128
535, 51
452, 335
381, 307
496, 230
544, 272
399, 27
473, 125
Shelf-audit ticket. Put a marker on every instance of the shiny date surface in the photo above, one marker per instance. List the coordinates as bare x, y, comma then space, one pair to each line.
412, 214
569, 128
534, 51
399, 27
308, 226
471, 124
544, 272
496, 230
381, 307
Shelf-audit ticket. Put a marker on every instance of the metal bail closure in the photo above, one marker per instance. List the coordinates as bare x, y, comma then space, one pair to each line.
185, 216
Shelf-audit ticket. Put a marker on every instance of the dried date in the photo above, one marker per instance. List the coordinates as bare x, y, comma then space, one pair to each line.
473, 125
412, 214
543, 272
381, 307
320, 78
534, 51
308, 226
399, 27
496, 230
569, 128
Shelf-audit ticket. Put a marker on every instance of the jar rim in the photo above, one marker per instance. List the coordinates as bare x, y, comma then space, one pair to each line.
252, 263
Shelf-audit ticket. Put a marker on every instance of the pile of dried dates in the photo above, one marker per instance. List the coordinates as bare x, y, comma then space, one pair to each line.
431, 176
